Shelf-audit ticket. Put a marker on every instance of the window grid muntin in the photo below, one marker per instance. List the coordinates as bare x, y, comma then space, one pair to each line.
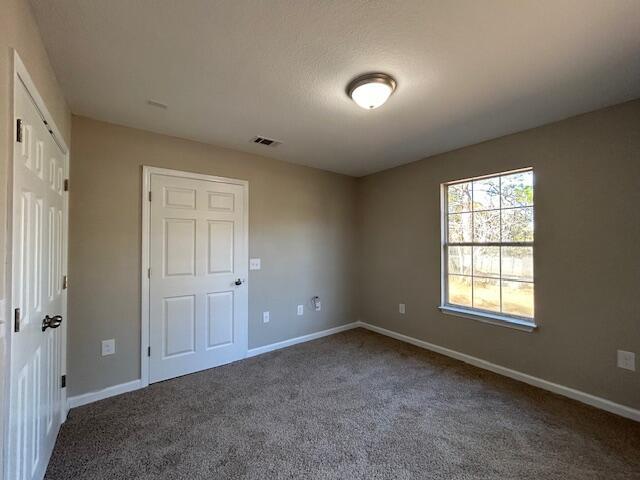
499, 249
488, 277
507, 209
447, 244
490, 209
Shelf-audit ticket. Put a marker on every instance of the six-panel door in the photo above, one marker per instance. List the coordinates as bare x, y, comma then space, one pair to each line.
38, 267
198, 259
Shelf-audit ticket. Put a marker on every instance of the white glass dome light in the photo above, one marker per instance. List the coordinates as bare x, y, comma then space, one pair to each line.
371, 90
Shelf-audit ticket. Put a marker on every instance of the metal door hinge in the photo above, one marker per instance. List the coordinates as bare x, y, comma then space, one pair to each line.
63, 381
19, 131
148, 273
148, 351
66, 184
65, 282
149, 195
16, 320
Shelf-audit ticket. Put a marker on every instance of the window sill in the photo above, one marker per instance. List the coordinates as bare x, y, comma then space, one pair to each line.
493, 319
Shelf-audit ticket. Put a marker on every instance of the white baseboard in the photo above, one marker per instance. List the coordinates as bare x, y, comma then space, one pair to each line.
578, 395
304, 338
91, 397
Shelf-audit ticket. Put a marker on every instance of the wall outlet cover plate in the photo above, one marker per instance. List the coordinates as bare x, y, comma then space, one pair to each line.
108, 347
254, 264
627, 360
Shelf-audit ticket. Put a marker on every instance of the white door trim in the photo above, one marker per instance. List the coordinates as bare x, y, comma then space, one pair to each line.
21, 75
147, 171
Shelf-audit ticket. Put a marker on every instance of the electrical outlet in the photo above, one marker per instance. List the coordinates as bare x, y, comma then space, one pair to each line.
108, 347
300, 309
401, 308
265, 317
254, 264
627, 360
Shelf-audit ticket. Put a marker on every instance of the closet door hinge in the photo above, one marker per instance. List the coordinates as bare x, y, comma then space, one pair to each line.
65, 282
66, 184
63, 381
16, 320
149, 195
148, 351
19, 130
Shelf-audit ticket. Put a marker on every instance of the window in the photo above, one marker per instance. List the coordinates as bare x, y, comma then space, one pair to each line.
488, 248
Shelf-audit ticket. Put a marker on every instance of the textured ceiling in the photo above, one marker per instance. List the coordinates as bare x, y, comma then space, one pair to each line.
467, 70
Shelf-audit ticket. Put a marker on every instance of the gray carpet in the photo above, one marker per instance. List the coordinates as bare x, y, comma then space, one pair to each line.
351, 406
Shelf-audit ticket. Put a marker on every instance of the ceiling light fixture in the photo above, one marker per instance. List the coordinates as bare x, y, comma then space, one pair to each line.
371, 90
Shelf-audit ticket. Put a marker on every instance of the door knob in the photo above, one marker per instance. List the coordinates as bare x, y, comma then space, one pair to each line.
238, 282
51, 322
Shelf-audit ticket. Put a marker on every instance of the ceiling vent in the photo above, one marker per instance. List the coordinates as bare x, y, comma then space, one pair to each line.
268, 142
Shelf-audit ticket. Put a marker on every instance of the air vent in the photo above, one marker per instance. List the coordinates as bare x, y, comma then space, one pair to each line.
269, 142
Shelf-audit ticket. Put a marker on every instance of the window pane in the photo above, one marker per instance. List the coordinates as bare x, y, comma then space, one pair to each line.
486, 194
486, 294
459, 227
517, 298
486, 226
517, 225
517, 189
459, 197
494, 210
459, 290
517, 263
459, 260
486, 261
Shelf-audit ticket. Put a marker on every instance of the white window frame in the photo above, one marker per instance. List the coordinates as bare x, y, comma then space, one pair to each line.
512, 321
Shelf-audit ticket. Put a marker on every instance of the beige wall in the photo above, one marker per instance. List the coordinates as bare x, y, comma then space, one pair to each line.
587, 260
18, 30
301, 224
310, 226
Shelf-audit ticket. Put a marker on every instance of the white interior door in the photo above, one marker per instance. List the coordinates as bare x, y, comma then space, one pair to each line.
38, 266
198, 259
